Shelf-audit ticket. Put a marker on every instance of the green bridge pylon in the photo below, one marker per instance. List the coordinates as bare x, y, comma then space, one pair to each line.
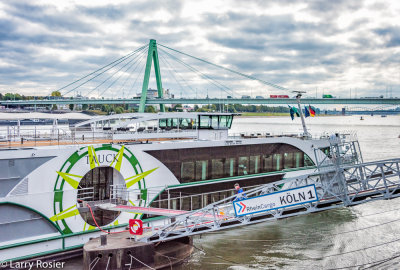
152, 54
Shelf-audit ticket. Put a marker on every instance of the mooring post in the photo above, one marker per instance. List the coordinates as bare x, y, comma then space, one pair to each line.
103, 240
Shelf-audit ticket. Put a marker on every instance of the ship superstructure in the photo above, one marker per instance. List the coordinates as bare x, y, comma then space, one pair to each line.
181, 161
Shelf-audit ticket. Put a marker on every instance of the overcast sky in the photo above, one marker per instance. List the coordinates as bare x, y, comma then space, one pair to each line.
331, 46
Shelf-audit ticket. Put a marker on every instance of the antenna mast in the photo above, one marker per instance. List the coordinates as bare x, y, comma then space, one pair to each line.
303, 122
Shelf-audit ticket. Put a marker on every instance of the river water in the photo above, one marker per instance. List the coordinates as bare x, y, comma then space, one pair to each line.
314, 241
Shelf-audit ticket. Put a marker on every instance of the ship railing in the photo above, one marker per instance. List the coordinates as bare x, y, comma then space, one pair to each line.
151, 131
46, 136
194, 201
86, 194
347, 135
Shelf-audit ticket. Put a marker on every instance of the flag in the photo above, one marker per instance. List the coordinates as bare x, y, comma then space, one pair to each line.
312, 110
296, 111
306, 112
293, 111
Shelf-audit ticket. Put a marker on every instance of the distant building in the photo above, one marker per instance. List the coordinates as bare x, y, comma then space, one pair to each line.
153, 93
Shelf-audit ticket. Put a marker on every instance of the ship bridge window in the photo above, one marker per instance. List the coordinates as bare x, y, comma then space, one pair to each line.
214, 122
205, 122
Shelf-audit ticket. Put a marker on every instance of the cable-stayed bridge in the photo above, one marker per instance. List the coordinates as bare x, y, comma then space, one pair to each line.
179, 78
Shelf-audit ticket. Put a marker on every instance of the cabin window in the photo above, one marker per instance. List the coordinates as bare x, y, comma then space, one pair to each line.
299, 159
203, 163
217, 168
162, 123
187, 171
288, 161
243, 166
230, 167
267, 162
307, 160
254, 164
277, 162
201, 169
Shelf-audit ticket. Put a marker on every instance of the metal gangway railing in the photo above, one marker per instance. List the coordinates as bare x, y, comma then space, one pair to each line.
340, 186
340, 180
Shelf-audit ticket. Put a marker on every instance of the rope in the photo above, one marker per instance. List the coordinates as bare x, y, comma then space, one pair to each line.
108, 261
130, 265
305, 238
170, 262
142, 262
351, 251
94, 219
374, 263
220, 257
95, 261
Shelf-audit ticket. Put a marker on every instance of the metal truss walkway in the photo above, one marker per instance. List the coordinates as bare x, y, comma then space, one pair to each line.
342, 186
340, 180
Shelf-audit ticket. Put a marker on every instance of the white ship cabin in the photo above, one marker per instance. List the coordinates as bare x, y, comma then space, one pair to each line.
143, 126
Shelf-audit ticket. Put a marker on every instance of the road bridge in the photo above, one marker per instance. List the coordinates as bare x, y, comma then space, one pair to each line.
205, 101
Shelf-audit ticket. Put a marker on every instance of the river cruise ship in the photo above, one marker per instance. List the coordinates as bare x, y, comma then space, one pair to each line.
181, 161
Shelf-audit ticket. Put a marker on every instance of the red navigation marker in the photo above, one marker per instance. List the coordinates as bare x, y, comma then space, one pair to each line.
135, 226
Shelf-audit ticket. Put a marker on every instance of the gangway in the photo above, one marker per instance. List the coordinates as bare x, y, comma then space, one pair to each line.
334, 184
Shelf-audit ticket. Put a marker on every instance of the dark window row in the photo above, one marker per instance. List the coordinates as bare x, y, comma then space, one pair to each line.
196, 164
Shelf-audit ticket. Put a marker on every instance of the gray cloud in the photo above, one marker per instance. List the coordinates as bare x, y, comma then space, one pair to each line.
307, 51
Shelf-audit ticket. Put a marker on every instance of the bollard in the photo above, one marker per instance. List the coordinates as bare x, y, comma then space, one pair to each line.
103, 240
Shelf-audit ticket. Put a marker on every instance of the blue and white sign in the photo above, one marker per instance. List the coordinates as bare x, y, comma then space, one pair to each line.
276, 200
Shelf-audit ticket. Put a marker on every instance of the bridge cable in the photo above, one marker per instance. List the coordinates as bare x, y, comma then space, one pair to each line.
171, 67
134, 58
200, 73
213, 81
119, 59
170, 72
128, 70
228, 69
130, 75
115, 63
137, 77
